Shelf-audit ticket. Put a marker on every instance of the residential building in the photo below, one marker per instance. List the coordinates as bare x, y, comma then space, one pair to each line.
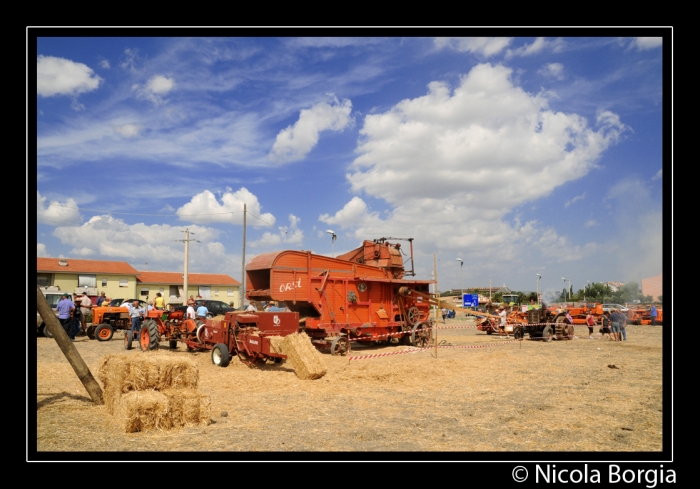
653, 286
212, 286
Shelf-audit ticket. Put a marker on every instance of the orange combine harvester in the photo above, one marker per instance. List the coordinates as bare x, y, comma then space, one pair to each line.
359, 296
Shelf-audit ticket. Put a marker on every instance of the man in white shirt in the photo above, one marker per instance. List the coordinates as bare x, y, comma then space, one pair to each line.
190, 312
85, 306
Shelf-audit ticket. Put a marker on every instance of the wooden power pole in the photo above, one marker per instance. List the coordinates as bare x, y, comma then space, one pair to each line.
67, 347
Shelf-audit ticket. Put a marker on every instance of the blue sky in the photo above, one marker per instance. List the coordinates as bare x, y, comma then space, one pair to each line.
520, 155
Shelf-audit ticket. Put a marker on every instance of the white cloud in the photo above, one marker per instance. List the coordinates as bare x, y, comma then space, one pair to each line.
205, 208
106, 237
590, 223
644, 43
484, 46
658, 175
295, 142
553, 70
578, 197
537, 46
104, 64
155, 89
287, 235
354, 213
41, 249
127, 130
60, 76
130, 58
56, 213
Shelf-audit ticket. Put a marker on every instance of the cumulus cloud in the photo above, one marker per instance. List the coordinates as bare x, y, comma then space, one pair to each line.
127, 130
104, 64
111, 238
60, 76
55, 212
206, 208
287, 235
552, 70
658, 175
483, 46
644, 43
354, 213
295, 142
41, 250
155, 89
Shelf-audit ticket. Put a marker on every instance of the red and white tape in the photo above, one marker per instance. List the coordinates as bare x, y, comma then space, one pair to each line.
420, 350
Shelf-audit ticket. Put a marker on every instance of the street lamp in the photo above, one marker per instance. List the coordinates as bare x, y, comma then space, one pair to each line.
333, 236
539, 277
568, 291
461, 285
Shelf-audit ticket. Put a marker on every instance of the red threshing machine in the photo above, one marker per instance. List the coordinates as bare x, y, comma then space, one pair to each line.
359, 296
247, 335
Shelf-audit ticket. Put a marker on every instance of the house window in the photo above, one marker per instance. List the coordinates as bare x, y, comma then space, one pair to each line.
123, 282
42, 281
104, 282
144, 291
229, 292
87, 281
216, 292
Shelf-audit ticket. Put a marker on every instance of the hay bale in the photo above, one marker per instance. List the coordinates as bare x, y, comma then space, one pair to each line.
276, 344
188, 407
127, 372
143, 410
305, 359
217, 319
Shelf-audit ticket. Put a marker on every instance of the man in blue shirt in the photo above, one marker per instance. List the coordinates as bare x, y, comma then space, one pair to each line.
65, 308
654, 314
202, 311
617, 320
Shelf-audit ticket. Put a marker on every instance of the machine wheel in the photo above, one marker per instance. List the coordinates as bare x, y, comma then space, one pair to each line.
569, 331
172, 344
128, 339
518, 333
413, 316
45, 331
220, 356
104, 332
421, 335
200, 328
547, 334
149, 337
339, 345
91, 332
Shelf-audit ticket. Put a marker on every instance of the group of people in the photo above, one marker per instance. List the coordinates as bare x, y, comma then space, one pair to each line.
613, 325
72, 313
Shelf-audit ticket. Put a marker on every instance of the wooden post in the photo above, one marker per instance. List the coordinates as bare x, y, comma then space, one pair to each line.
67, 347
437, 292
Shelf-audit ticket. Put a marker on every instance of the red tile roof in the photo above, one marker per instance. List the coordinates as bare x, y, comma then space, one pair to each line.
84, 266
192, 278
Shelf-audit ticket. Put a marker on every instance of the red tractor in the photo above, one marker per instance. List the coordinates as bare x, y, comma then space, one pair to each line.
247, 335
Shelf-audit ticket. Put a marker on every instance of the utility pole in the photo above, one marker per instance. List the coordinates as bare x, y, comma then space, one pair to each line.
438, 299
489, 291
242, 291
187, 259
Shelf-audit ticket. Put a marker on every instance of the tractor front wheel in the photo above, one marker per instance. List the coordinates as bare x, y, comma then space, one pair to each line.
91, 332
128, 339
104, 332
220, 356
547, 334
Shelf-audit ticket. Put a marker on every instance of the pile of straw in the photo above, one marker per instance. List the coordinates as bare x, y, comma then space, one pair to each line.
153, 392
304, 357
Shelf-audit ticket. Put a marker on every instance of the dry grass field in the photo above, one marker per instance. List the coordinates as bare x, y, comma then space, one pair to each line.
501, 396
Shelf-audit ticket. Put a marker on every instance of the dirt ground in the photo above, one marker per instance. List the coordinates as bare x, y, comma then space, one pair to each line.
582, 395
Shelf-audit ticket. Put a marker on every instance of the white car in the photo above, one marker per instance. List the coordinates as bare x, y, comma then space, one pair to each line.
610, 307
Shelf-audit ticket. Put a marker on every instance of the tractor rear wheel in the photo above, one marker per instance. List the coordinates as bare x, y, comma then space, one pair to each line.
149, 337
128, 339
91, 332
104, 332
547, 334
45, 331
518, 333
220, 356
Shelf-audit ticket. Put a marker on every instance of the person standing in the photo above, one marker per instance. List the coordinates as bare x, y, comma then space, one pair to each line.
623, 326
250, 308
654, 314
190, 310
159, 303
590, 321
65, 308
85, 307
502, 326
616, 318
444, 314
202, 311
605, 320
101, 299
135, 315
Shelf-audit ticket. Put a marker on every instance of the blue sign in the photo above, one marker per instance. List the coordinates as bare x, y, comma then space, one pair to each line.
470, 300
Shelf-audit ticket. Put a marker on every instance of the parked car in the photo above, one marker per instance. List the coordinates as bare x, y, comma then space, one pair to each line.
610, 307
216, 308
120, 302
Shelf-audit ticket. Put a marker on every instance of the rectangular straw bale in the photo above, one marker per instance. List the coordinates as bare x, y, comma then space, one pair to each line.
188, 407
217, 319
143, 410
112, 372
304, 357
276, 344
